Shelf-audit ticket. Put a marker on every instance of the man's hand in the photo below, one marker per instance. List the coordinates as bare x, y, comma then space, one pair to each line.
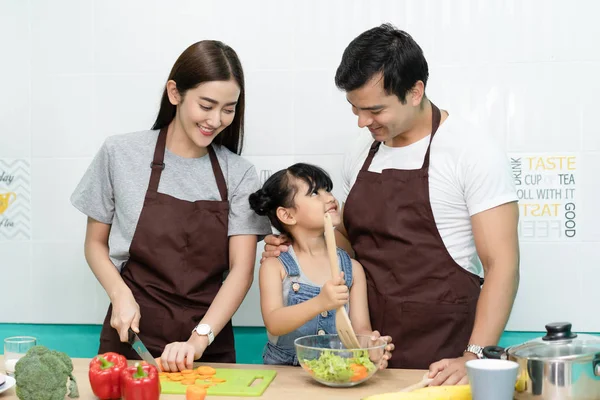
274, 246
450, 371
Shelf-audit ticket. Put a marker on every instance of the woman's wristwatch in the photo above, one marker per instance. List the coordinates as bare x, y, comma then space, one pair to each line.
205, 330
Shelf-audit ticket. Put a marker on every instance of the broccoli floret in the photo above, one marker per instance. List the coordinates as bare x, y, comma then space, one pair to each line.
43, 374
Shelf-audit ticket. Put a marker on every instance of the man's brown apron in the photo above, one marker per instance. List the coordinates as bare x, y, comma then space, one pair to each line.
178, 257
417, 293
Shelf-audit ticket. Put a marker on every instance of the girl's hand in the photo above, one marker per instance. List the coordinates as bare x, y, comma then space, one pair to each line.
334, 293
387, 351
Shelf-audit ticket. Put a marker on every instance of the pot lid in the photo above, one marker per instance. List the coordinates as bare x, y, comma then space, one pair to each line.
559, 343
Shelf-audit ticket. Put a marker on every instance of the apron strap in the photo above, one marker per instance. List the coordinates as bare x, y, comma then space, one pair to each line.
372, 152
436, 117
157, 164
218, 173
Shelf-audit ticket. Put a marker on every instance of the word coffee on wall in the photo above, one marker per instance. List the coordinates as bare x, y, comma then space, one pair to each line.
547, 190
15, 196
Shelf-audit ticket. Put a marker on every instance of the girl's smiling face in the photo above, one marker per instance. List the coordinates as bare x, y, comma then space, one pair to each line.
310, 206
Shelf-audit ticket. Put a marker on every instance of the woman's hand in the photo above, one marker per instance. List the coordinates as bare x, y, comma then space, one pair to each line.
178, 356
125, 314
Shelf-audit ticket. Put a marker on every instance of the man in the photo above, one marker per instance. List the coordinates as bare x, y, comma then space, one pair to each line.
430, 207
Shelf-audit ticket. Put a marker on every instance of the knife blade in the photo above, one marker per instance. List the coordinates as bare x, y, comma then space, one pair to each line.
135, 342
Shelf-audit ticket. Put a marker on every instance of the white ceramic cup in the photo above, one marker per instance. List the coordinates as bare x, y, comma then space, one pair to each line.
492, 379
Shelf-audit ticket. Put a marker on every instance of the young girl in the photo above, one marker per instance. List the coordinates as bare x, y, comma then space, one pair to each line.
168, 217
298, 296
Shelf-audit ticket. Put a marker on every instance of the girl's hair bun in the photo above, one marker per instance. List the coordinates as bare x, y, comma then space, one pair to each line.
260, 202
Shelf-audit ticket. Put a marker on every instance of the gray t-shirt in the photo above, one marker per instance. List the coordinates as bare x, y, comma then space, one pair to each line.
113, 188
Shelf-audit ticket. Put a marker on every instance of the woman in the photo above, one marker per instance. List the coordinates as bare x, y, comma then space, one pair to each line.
168, 217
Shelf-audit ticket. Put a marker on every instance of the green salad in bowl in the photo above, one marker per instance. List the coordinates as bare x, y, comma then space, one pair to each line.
326, 359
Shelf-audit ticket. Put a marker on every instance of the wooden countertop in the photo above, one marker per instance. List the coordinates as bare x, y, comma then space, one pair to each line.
290, 383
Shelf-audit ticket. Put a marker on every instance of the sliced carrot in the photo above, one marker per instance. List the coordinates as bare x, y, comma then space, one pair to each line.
218, 380
188, 372
176, 378
194, 392
206, 370
187, 381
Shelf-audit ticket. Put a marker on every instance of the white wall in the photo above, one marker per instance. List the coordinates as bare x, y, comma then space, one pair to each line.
75, 71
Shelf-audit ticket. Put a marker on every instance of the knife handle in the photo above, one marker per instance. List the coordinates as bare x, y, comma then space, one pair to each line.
130, 336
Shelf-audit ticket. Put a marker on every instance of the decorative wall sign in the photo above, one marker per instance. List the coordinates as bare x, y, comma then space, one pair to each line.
547, 190
15, 200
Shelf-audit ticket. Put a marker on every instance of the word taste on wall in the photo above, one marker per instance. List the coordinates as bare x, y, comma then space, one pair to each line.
546, 187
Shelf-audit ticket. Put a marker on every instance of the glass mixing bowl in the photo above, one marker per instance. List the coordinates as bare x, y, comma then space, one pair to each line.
326, 359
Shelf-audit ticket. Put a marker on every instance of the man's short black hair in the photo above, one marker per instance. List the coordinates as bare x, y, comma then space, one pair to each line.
387, 50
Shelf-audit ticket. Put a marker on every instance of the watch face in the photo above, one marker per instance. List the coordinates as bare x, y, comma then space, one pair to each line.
203, 329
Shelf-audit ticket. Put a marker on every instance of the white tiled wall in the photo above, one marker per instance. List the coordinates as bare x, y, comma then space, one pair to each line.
76, 71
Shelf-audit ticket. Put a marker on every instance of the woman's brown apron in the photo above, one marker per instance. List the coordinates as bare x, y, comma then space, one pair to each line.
178, 257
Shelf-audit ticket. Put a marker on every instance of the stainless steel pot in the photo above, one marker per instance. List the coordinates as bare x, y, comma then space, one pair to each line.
559, 366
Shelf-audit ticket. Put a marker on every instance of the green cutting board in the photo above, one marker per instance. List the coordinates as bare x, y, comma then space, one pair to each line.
238, 383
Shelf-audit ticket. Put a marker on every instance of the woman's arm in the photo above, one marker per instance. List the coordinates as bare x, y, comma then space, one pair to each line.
126, 312
242, 256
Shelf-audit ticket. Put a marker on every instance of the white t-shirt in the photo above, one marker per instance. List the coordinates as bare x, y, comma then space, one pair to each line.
468, 173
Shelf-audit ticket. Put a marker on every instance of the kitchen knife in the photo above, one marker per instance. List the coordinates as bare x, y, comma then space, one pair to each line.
138, 346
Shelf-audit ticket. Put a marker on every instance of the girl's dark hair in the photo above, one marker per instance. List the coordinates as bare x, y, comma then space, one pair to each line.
279, 190
207, 61
387, 50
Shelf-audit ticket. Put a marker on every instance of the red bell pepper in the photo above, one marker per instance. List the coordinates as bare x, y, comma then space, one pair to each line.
105, 375
140, 382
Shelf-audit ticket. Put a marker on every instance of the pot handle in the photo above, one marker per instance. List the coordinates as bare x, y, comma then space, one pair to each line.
494, 352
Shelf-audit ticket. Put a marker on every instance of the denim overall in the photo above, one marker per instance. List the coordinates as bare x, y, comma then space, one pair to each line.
280, 350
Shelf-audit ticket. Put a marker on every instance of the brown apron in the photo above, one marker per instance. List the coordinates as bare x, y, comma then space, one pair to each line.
178, 257
417, 293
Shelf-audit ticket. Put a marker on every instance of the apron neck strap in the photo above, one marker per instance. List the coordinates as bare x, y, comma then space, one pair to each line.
218, 173
372, 152
158, 165
436, 117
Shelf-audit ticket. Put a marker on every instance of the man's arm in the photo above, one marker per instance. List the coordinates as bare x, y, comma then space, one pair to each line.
496, 239
497, 243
